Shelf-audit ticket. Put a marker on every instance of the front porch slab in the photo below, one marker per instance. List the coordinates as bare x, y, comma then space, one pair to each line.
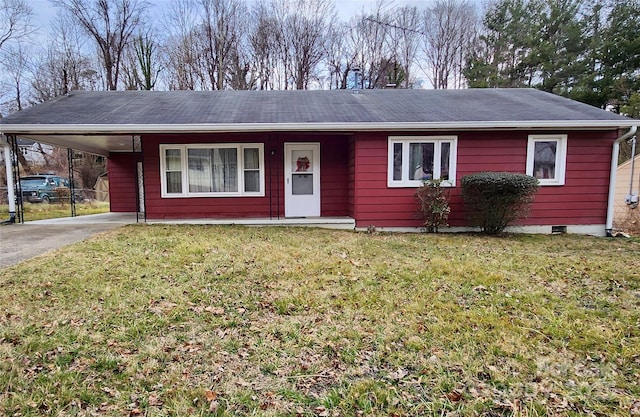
346, 223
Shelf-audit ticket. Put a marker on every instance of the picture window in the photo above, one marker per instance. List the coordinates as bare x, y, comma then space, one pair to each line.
221, 170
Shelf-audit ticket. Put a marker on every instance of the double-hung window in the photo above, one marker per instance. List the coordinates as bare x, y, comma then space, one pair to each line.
415, 159
547, 158
220, 170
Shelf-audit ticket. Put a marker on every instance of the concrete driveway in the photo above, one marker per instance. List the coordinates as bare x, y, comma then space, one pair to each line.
23, 241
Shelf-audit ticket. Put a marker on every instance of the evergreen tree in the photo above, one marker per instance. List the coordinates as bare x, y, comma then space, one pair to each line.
589, 53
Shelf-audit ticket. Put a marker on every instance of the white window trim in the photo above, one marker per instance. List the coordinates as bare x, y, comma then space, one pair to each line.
437, 140
185, 170
561, 158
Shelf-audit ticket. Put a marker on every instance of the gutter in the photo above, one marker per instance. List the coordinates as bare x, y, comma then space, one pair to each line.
302, 126
612, 177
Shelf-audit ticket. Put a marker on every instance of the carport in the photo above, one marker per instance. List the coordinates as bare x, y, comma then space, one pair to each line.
74, 140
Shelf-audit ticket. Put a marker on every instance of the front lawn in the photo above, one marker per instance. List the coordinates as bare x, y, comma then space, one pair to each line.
225, 321
40, 211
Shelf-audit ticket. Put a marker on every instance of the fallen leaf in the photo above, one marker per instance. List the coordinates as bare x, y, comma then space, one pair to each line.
210, 395
454, 396
242, 383
321, 411
110, 391
155, 401
398, 374
218, 311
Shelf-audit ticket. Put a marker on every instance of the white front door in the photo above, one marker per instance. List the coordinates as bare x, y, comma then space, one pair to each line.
302, 179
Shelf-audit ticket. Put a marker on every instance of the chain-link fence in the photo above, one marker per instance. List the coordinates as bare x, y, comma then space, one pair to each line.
82, 195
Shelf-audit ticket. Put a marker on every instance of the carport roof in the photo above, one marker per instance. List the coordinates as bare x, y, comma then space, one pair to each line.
104, 121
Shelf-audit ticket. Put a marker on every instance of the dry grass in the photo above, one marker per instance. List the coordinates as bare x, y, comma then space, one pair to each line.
222, 321
39, 211
628, 221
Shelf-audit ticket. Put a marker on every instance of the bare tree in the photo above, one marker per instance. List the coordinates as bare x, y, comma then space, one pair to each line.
205, 48
287, 41
180, 53
368, 44
15, 16
306, 28
282, 71
222, 25
241, 70
339, 60
14, 64
111, 23
270, 44
63, 66
14, 28
448, 30
263, 39
405, 34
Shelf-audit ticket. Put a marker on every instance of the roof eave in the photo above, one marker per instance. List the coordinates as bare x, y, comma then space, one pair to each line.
92, 129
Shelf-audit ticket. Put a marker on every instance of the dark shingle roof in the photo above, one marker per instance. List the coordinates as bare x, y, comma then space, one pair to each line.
440, 107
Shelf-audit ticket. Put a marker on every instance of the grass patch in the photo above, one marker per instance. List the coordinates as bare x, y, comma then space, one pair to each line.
226, 321
39, 211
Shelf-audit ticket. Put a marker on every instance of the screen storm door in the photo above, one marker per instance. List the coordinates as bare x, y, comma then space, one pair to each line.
302, 179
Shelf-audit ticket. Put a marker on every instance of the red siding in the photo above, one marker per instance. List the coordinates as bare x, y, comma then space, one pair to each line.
334, 171
354, 178
582, 200
122, 182
351, 180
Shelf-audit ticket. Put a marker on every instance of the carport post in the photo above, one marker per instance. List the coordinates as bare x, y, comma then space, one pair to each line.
136, 147
72, 186
11, 162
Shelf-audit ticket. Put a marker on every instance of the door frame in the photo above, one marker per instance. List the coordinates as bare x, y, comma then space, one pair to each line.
308, 205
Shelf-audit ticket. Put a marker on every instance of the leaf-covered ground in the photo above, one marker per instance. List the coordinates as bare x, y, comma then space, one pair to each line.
40, 211
226, 321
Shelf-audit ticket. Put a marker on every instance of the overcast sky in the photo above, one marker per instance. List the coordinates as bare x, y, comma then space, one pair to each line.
44, 11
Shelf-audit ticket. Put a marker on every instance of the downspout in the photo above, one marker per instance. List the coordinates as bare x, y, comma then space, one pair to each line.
11, 196
630, 197
612, 178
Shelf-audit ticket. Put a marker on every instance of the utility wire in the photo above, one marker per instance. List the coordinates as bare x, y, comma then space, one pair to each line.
370, 19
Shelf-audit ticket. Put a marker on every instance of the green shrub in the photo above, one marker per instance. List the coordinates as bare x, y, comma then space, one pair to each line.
495, 199
434, 205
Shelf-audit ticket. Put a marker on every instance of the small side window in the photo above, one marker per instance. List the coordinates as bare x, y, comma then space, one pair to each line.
547, 158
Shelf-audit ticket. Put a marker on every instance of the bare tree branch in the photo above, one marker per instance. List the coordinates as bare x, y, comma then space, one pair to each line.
15, 16
111, 23
448, 29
